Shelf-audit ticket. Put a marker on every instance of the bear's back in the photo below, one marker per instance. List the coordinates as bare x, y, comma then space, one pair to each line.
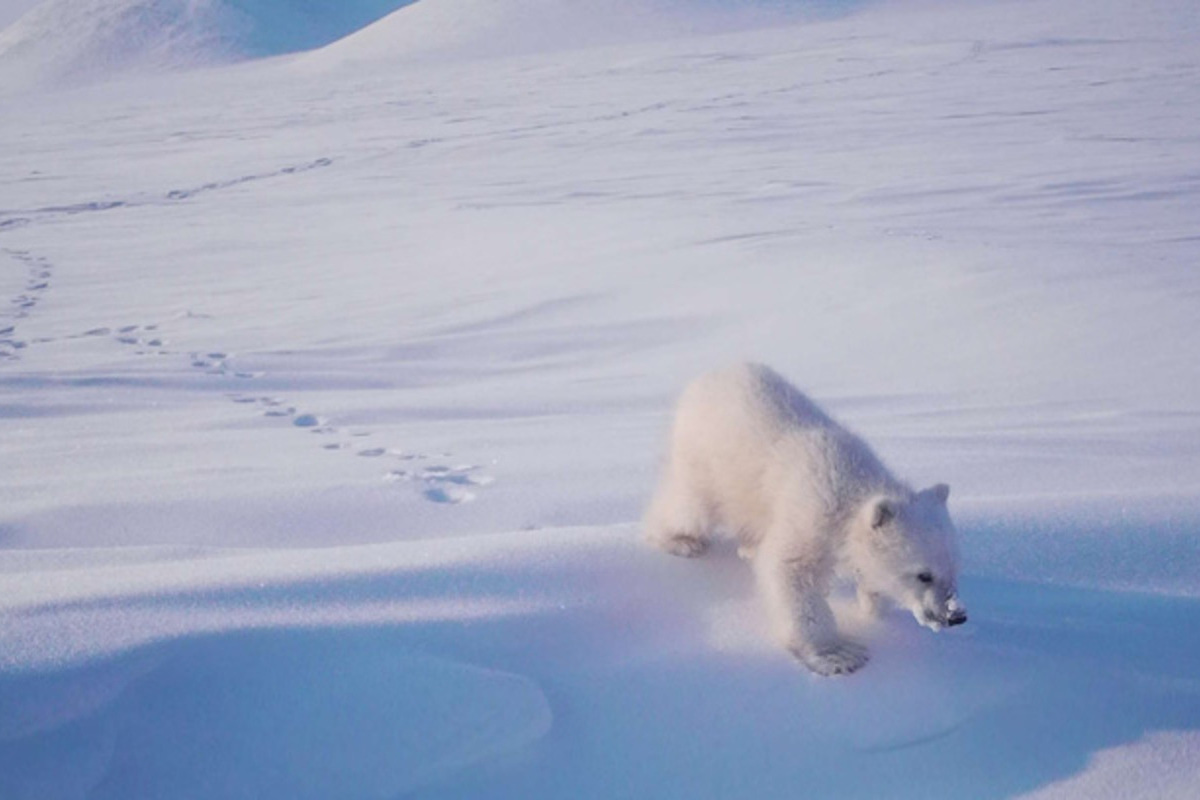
748, 431
754, 397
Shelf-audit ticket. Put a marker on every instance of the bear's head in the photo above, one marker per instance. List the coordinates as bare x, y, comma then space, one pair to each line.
907, 550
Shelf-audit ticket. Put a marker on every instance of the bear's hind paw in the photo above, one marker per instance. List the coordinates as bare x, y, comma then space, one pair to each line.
837, 658
684, 545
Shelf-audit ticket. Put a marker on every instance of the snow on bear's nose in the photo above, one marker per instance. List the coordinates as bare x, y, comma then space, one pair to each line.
955, 613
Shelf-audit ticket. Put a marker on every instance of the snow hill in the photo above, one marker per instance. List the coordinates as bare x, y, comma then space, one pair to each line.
481, 28
332, 390
70, 40
61, 42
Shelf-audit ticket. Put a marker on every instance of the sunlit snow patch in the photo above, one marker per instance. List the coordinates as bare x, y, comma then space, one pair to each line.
68, 40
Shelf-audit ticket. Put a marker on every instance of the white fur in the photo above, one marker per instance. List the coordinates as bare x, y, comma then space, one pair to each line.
808, 501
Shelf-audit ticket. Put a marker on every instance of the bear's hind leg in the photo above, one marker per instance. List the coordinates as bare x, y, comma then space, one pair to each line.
684, 545
679, 520
748, 543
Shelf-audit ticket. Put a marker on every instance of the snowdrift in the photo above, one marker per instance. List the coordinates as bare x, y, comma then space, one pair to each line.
559, 662
73, 40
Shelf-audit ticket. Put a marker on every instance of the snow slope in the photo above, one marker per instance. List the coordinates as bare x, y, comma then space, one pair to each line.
538, 664
332, 390
67, 41
473, 29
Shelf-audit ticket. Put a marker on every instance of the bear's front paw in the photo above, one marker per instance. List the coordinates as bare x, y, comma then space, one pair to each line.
840, 657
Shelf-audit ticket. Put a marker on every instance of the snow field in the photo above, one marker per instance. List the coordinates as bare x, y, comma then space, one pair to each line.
357, 672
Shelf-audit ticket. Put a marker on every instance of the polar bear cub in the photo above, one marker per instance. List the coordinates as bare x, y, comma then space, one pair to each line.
809, 502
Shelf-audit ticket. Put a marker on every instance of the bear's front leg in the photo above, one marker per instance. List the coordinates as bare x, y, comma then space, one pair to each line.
794, 591
873, 604
817, 643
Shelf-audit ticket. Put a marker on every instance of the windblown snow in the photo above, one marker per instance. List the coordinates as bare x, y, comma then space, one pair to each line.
332, 387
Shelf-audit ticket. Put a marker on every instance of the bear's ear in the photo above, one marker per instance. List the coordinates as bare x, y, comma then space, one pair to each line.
941, 492
882, 512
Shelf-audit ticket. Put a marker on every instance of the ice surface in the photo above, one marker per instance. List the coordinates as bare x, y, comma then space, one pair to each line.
331, 388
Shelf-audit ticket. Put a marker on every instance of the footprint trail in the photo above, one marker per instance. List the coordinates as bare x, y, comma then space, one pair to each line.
444, 484
38, 274
436, 483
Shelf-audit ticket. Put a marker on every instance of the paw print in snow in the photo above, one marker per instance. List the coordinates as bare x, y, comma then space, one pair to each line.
443, 484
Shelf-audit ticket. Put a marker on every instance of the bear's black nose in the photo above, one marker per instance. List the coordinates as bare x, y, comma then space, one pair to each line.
957, 618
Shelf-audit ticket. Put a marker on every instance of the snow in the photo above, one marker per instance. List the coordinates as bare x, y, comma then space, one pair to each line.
10, 10
474, 29
70, 41
333, 386
1164, 765
430, 666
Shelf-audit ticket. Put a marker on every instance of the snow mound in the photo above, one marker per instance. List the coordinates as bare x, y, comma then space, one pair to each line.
1164, 765
67, 40
548, 664
287, 708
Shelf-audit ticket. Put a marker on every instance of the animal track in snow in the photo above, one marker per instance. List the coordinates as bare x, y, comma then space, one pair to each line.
38, 273
436, 483
144, 337
217, 363
443, 484
186, 194
270, 406
24, 217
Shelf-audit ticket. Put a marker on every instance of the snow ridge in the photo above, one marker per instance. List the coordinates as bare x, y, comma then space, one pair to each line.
485, 28
71, 41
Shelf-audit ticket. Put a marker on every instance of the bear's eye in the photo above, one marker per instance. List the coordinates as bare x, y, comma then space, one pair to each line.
925, 577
